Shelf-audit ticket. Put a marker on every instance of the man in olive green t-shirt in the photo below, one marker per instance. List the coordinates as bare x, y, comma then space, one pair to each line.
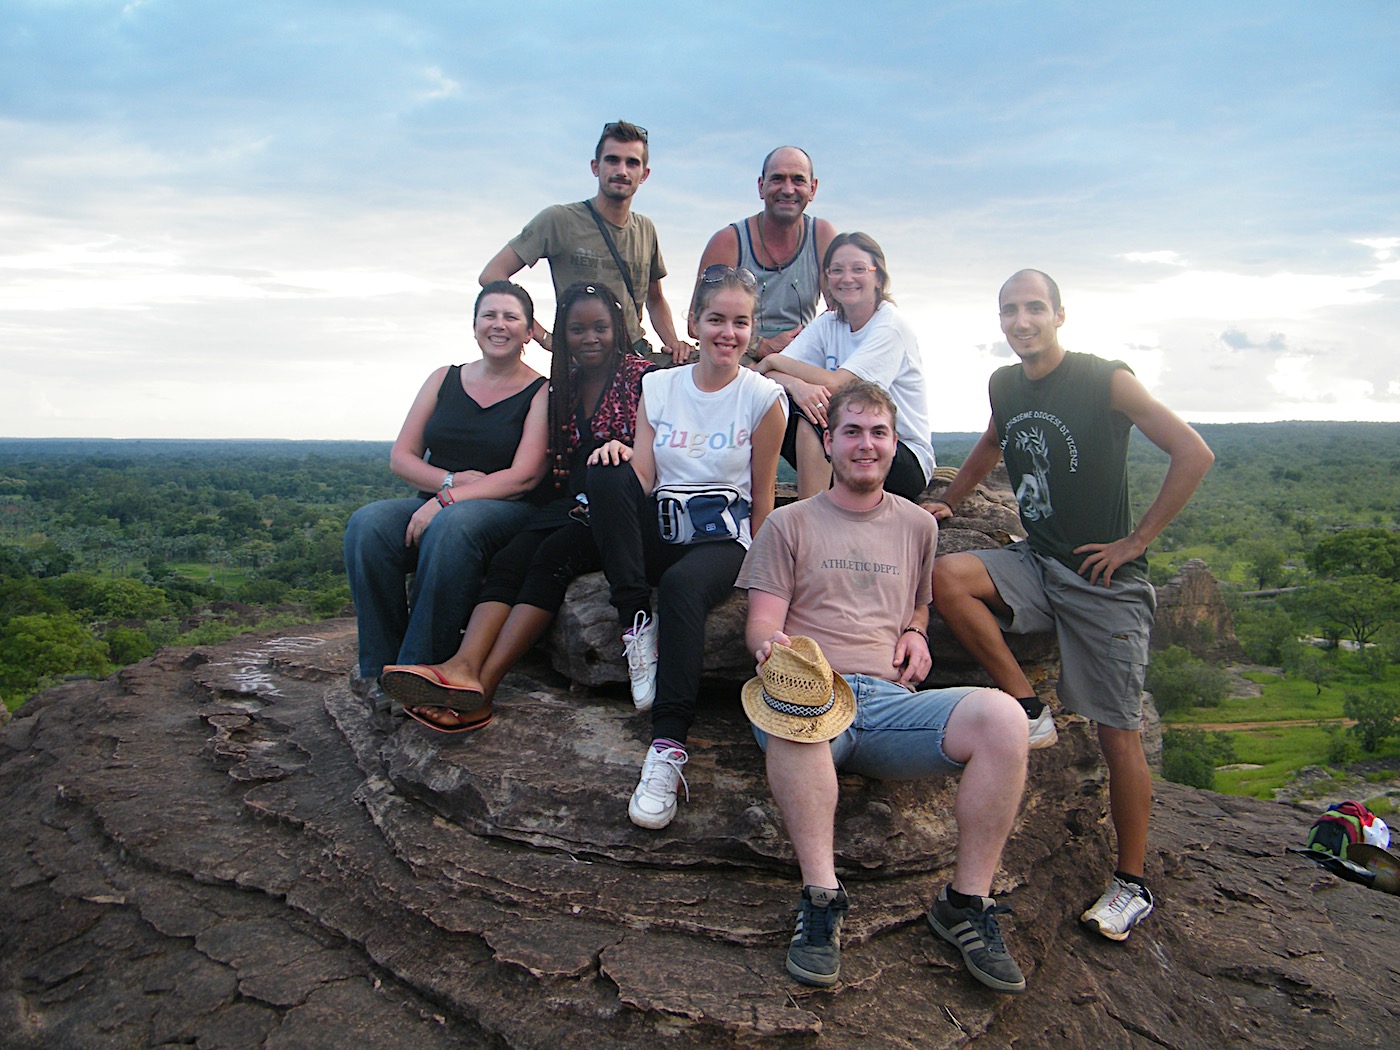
571, 237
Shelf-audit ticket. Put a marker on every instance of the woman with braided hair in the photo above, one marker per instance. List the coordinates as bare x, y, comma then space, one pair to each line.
594, 391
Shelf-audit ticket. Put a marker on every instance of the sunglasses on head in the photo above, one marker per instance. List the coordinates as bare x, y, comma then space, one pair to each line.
614, 126
718, 272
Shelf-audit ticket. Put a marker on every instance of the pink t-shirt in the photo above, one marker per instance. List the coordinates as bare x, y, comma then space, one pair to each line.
852, 578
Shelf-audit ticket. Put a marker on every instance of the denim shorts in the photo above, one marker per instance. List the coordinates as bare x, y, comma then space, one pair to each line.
897, 734
1103, 632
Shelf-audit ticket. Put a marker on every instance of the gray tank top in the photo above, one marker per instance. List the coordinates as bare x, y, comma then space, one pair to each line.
788, 296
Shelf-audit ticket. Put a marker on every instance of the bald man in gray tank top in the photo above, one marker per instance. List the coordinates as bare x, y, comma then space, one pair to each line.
782, 246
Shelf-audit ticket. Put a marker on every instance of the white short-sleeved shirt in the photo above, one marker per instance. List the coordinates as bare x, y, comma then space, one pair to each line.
885, 352
706, 438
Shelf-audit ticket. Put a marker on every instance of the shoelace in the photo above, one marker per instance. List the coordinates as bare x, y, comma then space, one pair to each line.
657, 782
634, 651
986, 924
1122, 897
818, 924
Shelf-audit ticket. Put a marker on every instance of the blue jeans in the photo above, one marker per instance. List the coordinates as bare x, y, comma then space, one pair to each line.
424, 624
897, 735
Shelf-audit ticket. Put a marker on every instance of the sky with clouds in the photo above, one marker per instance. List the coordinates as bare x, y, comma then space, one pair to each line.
267, 219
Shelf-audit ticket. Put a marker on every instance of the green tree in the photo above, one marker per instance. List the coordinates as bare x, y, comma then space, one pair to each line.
24, 595
1354, 607
1189, 756
46, 645
1374, 662
1375, 716
1357, 552
262, 592
1305, 662
1265, 560
103, 598
127, 645
1266, 631
1341, 746
1178, 679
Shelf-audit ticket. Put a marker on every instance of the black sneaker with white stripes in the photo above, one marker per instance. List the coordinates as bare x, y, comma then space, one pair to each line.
814, 956
975, 933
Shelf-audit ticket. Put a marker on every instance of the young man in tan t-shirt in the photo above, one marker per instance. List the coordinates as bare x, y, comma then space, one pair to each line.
851, 568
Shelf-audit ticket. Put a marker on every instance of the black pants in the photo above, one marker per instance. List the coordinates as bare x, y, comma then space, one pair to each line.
691, 580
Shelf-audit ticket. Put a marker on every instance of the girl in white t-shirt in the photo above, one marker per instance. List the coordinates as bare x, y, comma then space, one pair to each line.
711, 423
863, 337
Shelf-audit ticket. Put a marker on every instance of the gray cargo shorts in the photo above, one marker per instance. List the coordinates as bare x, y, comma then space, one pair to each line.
1103, 631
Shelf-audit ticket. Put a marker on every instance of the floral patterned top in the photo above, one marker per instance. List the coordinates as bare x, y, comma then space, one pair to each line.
616, 417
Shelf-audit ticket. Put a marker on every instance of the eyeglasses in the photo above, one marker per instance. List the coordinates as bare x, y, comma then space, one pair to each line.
614, 126
718, 272
858, 270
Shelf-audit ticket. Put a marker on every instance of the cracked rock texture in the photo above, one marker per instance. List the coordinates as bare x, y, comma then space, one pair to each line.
220, 848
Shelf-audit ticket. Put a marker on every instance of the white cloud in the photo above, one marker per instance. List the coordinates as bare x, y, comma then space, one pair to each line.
1382, 247
443, 86
1166, 258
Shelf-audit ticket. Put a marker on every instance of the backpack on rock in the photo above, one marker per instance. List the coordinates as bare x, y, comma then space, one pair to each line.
1346, 824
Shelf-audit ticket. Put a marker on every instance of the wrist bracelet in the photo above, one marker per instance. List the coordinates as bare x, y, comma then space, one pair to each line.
916, 630
448, 500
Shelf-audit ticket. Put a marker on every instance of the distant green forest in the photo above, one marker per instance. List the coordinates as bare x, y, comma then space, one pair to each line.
110, 549
1274, 484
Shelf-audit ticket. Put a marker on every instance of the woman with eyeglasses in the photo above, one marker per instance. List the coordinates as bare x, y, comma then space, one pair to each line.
864, 337
594, 392
680, 515
473, 444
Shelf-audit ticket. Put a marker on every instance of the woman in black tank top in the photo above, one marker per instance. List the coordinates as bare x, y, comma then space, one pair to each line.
472, 445
595, 389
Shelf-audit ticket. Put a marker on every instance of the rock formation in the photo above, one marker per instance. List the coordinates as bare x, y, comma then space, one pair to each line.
219, 848
1192, 613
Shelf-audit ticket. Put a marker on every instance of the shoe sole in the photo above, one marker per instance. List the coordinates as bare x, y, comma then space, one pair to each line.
465, 727
411, 686
816, 980
995, 983
1112, 935
1048, 740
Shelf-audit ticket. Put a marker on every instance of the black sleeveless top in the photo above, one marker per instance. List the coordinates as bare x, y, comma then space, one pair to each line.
1066, 453
461, 435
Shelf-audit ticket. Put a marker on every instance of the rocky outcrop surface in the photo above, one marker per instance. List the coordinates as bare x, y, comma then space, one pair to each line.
219, 848
1191, 612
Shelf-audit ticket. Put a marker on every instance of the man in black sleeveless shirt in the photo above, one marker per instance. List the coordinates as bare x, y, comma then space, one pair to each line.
1061, 420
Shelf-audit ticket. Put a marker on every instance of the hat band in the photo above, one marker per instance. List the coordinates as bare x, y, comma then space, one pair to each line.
798, 710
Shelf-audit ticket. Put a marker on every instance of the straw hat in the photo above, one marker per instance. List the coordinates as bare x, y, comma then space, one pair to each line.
798, 697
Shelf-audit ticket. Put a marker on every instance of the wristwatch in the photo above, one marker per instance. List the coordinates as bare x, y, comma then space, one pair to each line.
447, 481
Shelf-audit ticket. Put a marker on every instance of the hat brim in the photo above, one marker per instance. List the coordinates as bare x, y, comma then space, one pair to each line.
1373, 857
799, 728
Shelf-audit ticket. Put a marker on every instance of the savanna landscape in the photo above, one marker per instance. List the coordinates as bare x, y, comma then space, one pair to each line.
110, 550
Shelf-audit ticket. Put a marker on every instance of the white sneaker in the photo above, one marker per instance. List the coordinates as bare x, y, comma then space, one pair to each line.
1042, 730
1122, 906
640, 645
654, 802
